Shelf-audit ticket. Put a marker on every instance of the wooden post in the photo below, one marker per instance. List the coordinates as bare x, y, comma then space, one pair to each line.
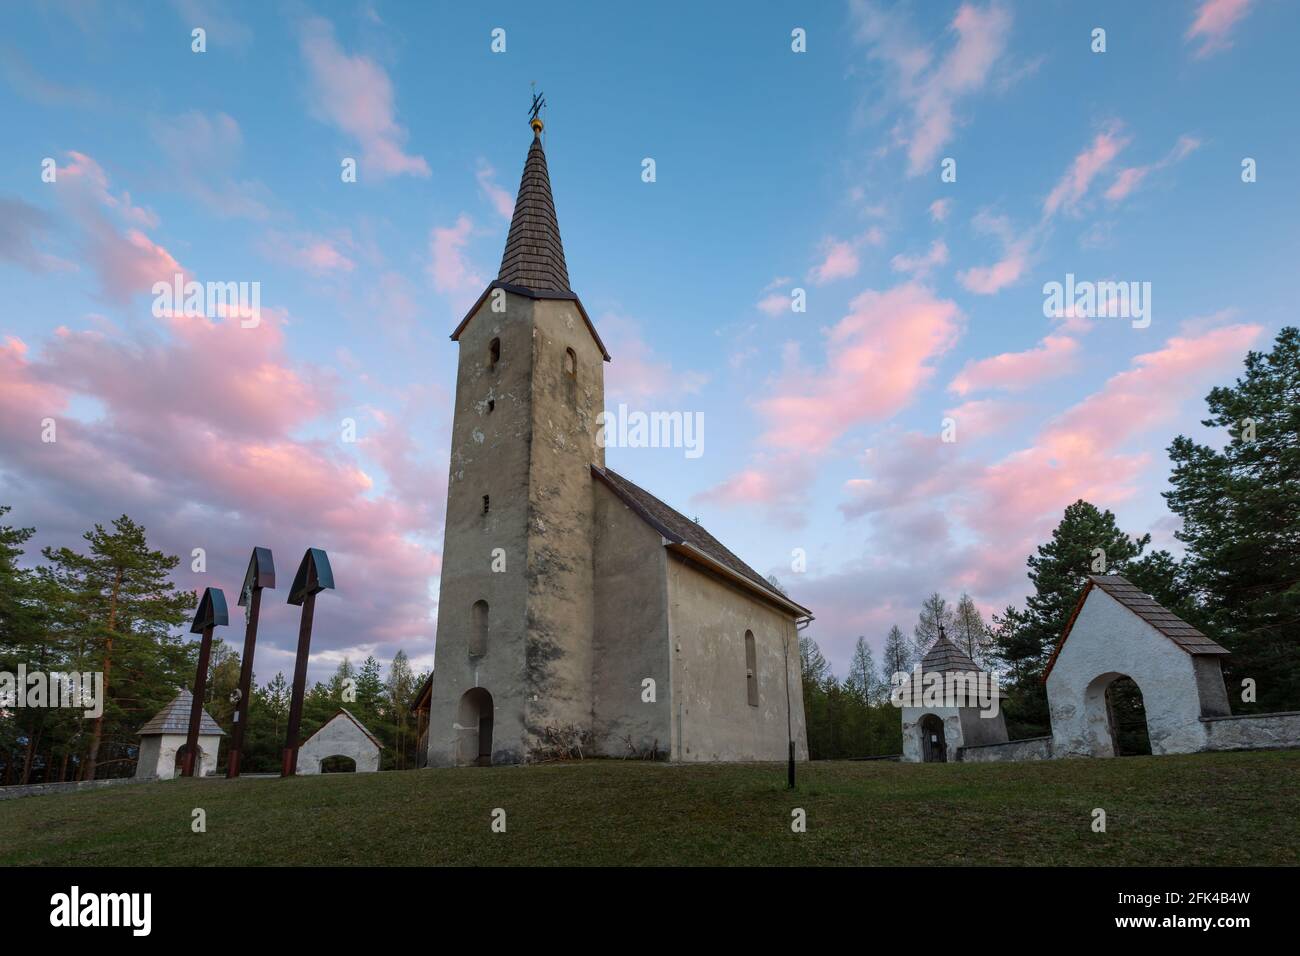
314, 575
211, 612
261, 574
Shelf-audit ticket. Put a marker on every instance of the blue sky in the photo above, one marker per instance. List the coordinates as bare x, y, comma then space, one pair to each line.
775, 171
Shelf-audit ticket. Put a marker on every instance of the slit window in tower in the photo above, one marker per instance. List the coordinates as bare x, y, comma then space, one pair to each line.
571, 377
494, 353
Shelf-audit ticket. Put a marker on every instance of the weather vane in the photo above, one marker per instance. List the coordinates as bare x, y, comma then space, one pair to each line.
538, 102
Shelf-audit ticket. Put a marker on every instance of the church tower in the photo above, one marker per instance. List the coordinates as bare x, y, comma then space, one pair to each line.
513, 658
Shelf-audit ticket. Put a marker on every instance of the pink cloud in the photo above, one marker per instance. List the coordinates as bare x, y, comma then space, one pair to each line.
125, 260
207, 458
1016, 251
639, 374
201, 155
448, 268
939, 209
355, 95
932, 90
1131, 177
839, 261
1099, 154
319, 255
1013, 371
941, 517
1213, 22
878, 356
501, 200
921, 265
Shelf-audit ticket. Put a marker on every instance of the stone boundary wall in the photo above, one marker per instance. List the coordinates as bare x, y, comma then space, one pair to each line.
1031, 748
1253, 731
71, 786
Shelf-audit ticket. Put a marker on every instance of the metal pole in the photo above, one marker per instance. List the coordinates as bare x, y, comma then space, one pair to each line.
289, 763
245, 685
196, 706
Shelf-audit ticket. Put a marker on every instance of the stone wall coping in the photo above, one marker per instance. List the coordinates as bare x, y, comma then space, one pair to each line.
1007, 743
1276, 713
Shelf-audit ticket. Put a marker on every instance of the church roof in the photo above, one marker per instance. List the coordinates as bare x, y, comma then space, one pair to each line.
534, 255
947, 656
175, 718
688, 536
1144, 606
533, 264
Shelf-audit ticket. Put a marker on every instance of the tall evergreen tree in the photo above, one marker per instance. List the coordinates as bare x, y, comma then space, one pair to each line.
123, 595
1086, 541
1240, 511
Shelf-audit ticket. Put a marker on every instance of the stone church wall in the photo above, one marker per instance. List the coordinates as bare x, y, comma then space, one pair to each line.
712, 717
631, 635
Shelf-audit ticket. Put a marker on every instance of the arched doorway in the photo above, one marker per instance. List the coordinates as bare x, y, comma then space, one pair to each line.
1116, 717
1128, 718
338, 764
179, 769
934, 748
474, 729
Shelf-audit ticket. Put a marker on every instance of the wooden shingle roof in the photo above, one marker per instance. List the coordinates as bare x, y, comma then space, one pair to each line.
1187, 637
175, 718
534, 255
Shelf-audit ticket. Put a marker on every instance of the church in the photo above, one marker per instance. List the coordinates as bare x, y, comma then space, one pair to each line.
576, 609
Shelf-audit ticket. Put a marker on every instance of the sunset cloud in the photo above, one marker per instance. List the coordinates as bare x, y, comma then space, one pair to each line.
1213, 22
355, 95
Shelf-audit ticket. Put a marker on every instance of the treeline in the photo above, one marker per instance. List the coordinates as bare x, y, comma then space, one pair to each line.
111, 607
1238, 580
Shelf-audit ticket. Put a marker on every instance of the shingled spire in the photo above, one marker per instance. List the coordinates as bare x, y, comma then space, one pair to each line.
534, 256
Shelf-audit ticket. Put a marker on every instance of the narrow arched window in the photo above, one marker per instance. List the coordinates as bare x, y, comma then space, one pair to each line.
571, 377
494, 353
751, 669
478, 632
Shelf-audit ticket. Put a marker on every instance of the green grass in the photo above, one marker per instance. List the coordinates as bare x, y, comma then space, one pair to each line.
1228, 808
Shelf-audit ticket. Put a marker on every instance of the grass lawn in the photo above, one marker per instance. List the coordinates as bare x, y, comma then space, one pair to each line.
1226, 808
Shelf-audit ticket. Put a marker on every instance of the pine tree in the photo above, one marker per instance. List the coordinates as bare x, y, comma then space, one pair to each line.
1240, 511
121, 591
1087, 541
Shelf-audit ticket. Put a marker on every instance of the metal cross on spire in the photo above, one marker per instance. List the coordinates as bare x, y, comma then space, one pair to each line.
539, 101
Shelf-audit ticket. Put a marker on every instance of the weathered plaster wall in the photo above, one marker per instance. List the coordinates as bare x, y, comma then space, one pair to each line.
980, 727
561, 528
1032, 748
711, 715
1107, 641
338, 737
489, 456
631, 631
157, 756
913, 745
1253, 731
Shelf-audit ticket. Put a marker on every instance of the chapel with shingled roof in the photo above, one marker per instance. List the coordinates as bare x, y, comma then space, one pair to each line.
577, 612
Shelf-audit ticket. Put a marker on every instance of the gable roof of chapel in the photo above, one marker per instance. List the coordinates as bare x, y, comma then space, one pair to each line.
1130, 596
175, 718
